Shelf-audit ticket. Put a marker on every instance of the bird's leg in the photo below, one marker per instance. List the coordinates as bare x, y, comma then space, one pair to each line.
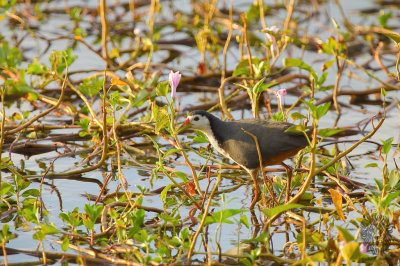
257, 192
289, 180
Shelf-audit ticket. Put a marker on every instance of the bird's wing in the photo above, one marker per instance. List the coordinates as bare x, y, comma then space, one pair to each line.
271, 137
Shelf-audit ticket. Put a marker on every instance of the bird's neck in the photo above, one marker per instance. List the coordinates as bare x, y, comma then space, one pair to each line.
216, 134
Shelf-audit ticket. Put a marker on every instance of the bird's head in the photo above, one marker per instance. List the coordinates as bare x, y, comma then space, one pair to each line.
199, 120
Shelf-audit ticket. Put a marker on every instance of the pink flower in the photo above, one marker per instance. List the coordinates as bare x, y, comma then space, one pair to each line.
364, 247
281, 97
174, 79
271, 38
137, 31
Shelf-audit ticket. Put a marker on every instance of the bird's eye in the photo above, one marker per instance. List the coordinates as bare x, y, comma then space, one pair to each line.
196, 118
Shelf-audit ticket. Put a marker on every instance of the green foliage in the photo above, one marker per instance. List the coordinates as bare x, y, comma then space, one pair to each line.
384, 17
351, 252
281, 208
328, 132
164, 192
295, 62
140, 98
59, 60
37, 69
162, 88
5, 5
387, 144
333, 47
160, 115
138, 105
296, 116
243, 68
222, 216
84, 123
6, 235
92, 213
10, 58
317, 112
73, 218
91, 86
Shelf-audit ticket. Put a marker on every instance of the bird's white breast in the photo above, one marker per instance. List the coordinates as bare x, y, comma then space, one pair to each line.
215, 143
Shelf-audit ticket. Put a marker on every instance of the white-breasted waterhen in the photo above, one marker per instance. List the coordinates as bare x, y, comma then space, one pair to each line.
232, 140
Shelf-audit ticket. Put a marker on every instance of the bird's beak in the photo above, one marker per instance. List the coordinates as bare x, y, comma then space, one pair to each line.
187, 122
183, 126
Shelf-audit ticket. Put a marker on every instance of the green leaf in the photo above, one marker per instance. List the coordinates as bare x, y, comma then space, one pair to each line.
5, 187
36, 68
228, 213
200, 138
277, 116
48, 229
242, 68
162, 88
296, 128
26, 114
244, 221
345, 234
84, 123
393, 35
91, 86
387, 144
295, 62
312, 107
241, 71
9, 57
64, 217
31, 192
371, 165
384, 17
296, 116
181, 176
326, 88
164, 192
388, 199
260, 239
351, 252
32, 96
140, 98
327, 132
383, 92
60, 59
394, 177
253, 12
379, 184
173, 151
322, 110
266, 86
65, 244
281, 208
222, 216
114, 53
257, 87
319, 257
5, 229
328, 64
83, 133
322, 78
161, 119
332, 46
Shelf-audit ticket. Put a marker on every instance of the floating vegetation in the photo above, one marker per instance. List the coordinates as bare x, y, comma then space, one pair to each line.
97, 166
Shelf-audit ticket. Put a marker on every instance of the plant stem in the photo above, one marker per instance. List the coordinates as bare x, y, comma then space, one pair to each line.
205, 213
104, 29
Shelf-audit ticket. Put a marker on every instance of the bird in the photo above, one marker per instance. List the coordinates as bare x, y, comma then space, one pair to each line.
232, 140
